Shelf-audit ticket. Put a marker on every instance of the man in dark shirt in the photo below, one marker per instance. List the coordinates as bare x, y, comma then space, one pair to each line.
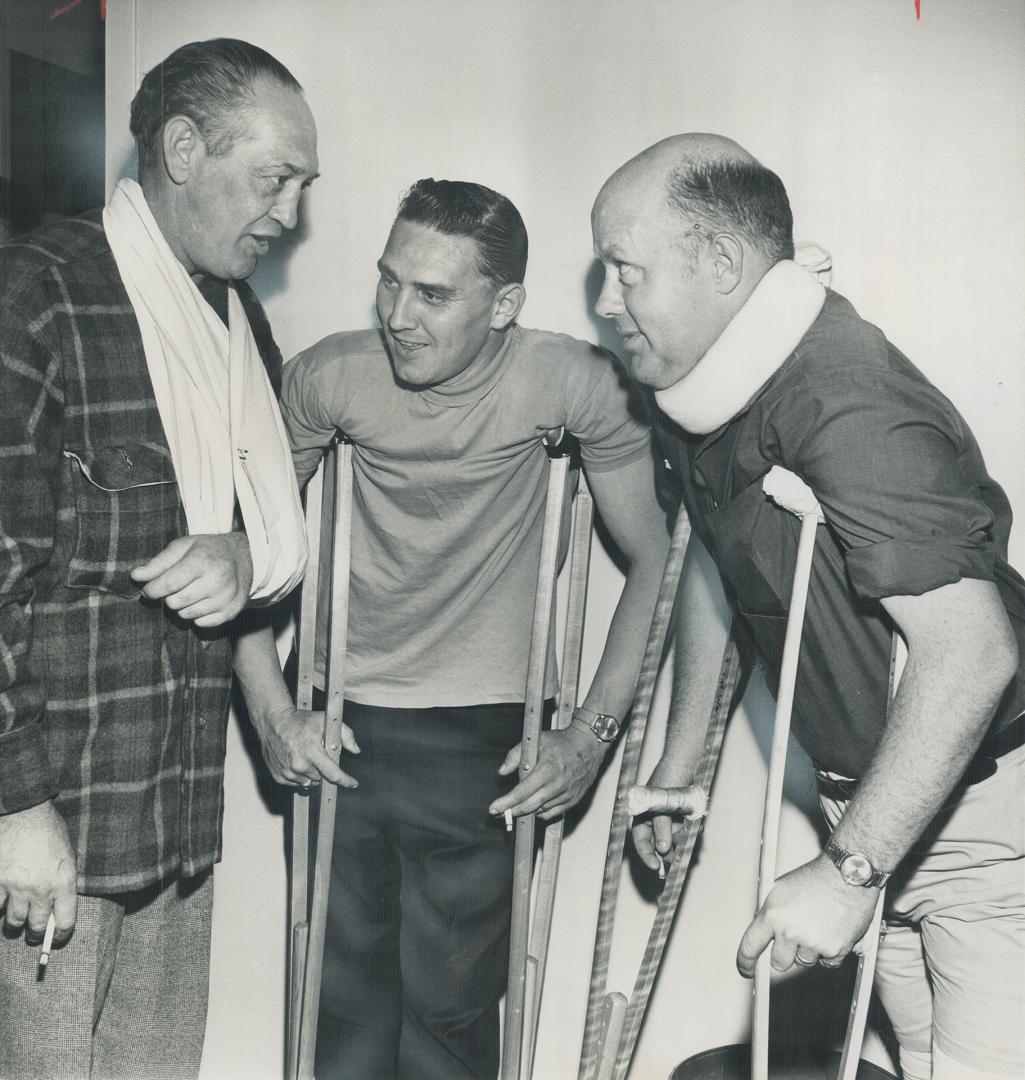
123, 478
756, 365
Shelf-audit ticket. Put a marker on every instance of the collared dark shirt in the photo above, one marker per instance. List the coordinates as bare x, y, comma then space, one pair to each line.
909, 508
109, 703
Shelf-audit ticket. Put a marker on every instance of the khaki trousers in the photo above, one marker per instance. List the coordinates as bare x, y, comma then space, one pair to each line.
124, 999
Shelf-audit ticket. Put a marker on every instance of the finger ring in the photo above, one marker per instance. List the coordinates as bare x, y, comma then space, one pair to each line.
799, 959
832, 963
306, 785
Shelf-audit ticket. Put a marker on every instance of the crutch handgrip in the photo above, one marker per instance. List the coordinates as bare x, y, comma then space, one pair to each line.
688, 801
789, 491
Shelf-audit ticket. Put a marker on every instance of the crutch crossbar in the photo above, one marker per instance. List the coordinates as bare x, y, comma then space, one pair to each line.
688, 802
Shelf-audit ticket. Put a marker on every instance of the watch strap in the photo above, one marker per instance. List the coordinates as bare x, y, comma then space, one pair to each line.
603, 726
837, 855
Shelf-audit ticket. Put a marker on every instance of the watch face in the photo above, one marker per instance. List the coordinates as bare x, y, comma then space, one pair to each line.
605, 727
856, 869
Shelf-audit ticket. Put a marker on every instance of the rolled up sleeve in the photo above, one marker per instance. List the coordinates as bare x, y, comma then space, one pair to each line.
896, 471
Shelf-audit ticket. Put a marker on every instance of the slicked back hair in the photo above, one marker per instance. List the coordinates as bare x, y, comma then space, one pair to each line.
739, 197
459, 208
212, 83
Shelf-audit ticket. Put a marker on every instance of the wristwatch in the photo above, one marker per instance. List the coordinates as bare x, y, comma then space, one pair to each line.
855, 868
601, 725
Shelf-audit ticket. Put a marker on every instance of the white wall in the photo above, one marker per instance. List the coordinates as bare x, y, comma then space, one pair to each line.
901, 145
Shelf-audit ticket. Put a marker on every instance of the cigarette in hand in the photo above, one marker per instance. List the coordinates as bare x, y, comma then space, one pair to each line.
661, 868
44, 955
508, 821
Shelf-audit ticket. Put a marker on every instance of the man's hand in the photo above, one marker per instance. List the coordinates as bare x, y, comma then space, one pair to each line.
811, 909
293, 747
655, 836
205, 578
567, 763
37, 871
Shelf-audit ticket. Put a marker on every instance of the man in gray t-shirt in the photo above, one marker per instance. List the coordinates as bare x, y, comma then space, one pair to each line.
447, 406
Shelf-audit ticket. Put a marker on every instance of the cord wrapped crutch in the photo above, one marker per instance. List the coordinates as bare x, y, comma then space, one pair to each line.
306, 970
596, 1032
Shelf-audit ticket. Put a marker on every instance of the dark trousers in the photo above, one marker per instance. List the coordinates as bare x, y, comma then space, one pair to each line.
416, 954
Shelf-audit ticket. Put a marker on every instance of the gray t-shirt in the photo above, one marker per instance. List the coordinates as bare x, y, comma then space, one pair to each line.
448, 501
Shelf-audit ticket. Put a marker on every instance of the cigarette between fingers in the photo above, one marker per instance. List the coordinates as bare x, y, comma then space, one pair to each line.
44, 955
661, 868
508, 821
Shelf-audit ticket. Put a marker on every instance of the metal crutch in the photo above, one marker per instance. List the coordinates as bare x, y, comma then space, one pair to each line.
541, 927
335, 698
606, 1012
523, 866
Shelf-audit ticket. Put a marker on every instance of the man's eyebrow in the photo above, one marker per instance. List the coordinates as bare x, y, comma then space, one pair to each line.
427, 286
287, 166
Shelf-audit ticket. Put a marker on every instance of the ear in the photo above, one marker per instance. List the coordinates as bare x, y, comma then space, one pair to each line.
182, 145
507, 304
727, 262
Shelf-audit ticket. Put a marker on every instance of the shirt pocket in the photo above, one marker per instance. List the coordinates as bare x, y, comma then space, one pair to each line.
756, 545
127, 509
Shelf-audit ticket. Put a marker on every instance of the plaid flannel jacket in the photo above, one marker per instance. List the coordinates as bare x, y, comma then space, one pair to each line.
109, 703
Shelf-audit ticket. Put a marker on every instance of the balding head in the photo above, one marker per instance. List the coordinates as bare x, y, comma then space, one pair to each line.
686, 230
715, 182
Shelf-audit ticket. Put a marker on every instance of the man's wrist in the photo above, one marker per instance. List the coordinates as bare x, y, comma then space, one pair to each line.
604, 727
855, 867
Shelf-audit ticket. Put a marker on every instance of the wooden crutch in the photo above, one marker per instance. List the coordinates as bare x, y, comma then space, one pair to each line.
298, 906
544, 905
304, 1015
523, 865
606, 1013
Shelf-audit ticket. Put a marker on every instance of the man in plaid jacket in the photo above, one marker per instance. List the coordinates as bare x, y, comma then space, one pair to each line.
115, 608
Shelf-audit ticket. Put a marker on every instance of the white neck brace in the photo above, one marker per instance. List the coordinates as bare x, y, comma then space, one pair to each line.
752, 348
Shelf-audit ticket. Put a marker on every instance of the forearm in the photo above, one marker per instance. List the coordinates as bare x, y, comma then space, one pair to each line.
258, 670
953, 681
701, 631
615, 680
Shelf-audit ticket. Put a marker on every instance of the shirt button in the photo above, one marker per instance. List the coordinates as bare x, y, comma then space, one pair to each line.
204, 644
201, 721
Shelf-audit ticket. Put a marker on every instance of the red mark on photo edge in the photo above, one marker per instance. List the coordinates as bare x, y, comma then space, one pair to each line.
918, 10
75, 3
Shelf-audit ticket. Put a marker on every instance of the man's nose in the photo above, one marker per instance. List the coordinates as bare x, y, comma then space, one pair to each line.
402, 315
610, 300
286, 210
